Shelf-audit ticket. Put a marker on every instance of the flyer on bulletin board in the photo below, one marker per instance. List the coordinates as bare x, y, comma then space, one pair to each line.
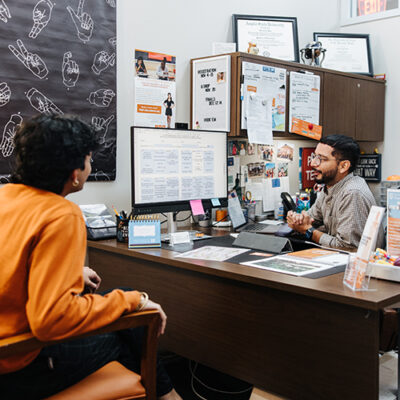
155, 89
211, 91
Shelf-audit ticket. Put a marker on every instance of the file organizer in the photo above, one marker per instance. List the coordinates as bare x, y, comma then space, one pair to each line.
144, 231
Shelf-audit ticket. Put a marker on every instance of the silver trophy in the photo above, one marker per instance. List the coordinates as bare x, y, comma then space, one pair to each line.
312, 52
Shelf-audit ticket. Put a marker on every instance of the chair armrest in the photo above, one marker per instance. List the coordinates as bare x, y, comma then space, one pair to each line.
26, 342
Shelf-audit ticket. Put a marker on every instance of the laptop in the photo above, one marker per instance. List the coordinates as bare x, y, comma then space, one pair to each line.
239, 223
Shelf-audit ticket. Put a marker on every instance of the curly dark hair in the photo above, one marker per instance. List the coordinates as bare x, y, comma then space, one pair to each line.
48, 148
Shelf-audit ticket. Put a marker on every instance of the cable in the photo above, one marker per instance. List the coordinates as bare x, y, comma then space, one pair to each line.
194, 377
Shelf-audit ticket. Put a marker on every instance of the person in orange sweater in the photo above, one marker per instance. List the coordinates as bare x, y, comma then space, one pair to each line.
43, 242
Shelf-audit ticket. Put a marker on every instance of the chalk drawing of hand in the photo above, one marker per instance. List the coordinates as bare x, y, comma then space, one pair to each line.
70, 70
41, 17
102, 61
7, 141
111, 3
113, 41
41, 103
101, 97
5, 94
4, 12
83, 22
101, 126
30, 60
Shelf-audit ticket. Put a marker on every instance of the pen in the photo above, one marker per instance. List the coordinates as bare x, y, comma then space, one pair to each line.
116, 212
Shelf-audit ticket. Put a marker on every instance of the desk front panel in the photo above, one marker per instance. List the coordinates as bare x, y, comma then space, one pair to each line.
295, 345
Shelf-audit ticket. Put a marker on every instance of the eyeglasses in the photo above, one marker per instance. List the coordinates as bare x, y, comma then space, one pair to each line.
316, 159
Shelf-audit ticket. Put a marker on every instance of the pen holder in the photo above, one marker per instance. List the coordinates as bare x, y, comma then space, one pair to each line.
122, 229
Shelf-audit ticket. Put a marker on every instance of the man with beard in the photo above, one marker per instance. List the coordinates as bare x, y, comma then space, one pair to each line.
338, 217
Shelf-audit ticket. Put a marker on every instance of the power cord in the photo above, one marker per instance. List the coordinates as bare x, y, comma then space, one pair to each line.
194, 377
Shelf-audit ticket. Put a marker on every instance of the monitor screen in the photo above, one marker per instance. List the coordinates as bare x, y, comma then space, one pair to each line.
170, 167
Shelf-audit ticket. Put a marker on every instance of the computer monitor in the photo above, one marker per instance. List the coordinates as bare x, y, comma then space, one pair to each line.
170, 167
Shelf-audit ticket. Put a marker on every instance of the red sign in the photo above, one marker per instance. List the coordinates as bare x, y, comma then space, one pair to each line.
307, 174
366, 7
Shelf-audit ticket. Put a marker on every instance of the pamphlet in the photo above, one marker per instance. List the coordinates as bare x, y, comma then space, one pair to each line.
213, 253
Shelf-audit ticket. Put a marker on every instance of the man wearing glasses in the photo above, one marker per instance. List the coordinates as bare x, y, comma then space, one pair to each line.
338, 217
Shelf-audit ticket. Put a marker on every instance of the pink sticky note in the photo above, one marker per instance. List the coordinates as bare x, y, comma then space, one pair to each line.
197, 207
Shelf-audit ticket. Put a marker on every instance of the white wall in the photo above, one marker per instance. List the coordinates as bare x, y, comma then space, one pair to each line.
185, 28
384, 35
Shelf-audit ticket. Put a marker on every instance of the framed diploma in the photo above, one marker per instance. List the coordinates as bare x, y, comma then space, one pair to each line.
274, 37
346, 52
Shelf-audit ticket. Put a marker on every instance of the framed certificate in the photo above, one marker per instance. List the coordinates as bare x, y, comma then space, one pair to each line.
346, 52
274, 37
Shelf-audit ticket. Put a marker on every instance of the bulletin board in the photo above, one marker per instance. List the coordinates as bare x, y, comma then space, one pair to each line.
59, 57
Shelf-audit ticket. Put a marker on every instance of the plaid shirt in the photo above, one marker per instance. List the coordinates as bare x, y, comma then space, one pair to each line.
341, 212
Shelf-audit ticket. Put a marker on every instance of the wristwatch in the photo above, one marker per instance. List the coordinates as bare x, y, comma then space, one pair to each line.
309, 233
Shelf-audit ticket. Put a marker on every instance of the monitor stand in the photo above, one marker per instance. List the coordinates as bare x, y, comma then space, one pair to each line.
172, 228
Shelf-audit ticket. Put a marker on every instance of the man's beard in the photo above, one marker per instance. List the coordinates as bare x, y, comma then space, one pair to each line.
327, 177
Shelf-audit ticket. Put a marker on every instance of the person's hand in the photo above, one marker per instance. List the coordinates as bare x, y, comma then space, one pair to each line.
299, 222
154, 306
83, 22
91, 279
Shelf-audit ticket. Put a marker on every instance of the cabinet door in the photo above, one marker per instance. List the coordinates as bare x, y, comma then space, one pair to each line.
339, 105
370, 110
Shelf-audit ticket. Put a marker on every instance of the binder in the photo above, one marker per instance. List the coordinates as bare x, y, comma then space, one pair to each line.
144, 231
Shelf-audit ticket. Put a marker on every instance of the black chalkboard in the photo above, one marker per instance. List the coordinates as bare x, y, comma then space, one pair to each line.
59, 57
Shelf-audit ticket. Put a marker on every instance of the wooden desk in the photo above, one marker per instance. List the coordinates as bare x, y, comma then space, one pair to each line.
298, 337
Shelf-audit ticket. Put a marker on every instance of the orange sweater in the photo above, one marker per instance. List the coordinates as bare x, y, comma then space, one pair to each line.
42, 251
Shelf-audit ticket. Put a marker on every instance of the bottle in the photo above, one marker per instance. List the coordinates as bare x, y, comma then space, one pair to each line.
279, 211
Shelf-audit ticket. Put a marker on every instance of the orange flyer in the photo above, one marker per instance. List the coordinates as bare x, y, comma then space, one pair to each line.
305, 128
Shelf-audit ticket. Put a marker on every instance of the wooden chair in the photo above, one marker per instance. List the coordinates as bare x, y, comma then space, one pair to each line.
113, 381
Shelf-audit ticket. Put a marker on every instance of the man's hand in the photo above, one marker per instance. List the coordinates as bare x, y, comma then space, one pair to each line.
91, 279
299, 222
154, 306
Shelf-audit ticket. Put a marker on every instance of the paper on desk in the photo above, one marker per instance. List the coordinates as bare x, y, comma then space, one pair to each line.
212, 253
197, 207
271, 222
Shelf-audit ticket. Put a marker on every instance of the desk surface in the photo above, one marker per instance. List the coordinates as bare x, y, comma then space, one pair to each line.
381, 294
298, 337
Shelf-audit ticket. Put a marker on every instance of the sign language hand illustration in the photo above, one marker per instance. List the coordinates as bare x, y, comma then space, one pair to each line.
41, 103
5, 94
111, 3
101, 97
41, 17
70, 70
4, 12
101, 126
83, 22
102, 61
30, 60
7, 141
113, 41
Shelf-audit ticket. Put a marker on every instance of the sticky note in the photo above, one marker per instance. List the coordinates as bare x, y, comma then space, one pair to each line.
197, 207
215, 202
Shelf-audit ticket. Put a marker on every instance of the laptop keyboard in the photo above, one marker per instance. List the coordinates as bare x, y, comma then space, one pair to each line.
254, 227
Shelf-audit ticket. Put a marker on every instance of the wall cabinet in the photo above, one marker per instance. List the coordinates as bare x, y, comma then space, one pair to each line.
350, 104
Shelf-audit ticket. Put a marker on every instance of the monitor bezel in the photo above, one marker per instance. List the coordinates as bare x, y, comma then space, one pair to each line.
175, 206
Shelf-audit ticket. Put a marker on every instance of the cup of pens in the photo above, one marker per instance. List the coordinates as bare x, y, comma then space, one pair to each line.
122, 226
